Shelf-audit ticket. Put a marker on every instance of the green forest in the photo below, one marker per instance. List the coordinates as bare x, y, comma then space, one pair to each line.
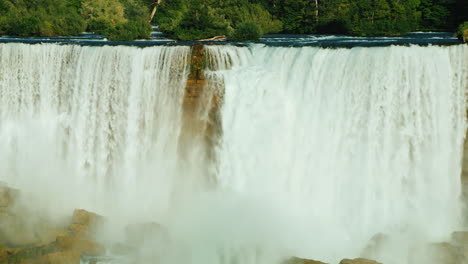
117, 19
239, 19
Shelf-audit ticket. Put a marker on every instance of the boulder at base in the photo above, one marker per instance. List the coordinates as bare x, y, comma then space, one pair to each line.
82, 246
63, 257
359, 261
460, 237
295, 260
84, 223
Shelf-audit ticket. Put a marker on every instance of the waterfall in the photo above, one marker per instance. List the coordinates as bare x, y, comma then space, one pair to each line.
320, 150
94, 127
345, 143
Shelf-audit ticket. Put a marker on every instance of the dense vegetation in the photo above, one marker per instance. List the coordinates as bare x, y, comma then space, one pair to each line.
462, 32
239, 19
196, 19
118, 19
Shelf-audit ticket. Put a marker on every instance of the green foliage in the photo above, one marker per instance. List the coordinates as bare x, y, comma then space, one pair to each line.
199, 19
437, 14
462, 31
238, 13
246, 31
99, 25
40, 17
122, 19
192, 20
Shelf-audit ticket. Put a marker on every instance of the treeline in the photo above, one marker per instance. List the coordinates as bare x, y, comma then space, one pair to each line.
117, 19
239, 19
197, 19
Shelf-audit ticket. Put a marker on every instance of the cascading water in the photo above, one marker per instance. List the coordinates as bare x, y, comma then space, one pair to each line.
343, 144
94, 127
321, 149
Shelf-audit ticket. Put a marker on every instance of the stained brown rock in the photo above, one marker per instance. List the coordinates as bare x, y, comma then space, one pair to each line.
82, 246
7, 196
460, 237
295, 260
63, 257
444, 253
85, 224
359, 261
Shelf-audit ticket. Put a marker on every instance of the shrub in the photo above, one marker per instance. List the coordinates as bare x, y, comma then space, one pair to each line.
128, 31
27, 25
462, 32
246, 31
71, 24
99, 25
255, 13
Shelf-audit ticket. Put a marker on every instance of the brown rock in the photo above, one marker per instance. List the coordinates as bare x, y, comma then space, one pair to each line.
85, 224
14, 231
359, 261
63, 257
7, 196
79, 230
82, 246
460, 237
6, 253
84, 217
295, 260
444, 253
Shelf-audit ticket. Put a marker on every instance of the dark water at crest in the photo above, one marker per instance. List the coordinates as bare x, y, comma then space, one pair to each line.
327, 41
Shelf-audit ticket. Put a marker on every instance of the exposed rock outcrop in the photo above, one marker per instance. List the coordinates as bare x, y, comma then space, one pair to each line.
295, 260
79, 245
359, 261
85, 224
41, 242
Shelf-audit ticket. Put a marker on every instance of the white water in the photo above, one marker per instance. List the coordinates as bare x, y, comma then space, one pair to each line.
94, 127
346, 143
321, 148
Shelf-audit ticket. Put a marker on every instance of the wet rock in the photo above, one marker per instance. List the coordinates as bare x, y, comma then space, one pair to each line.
84, 223
444, 253
82, 246
83, 217
295, 260
62, 257
15, 232
460, 237
359, 261
6, 254
7, 196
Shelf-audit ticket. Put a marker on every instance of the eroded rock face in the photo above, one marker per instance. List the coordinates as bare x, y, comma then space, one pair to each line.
26, 238
85, 224
444, 253
460, 237
7, 196
62, 257
359, 261
79, 245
